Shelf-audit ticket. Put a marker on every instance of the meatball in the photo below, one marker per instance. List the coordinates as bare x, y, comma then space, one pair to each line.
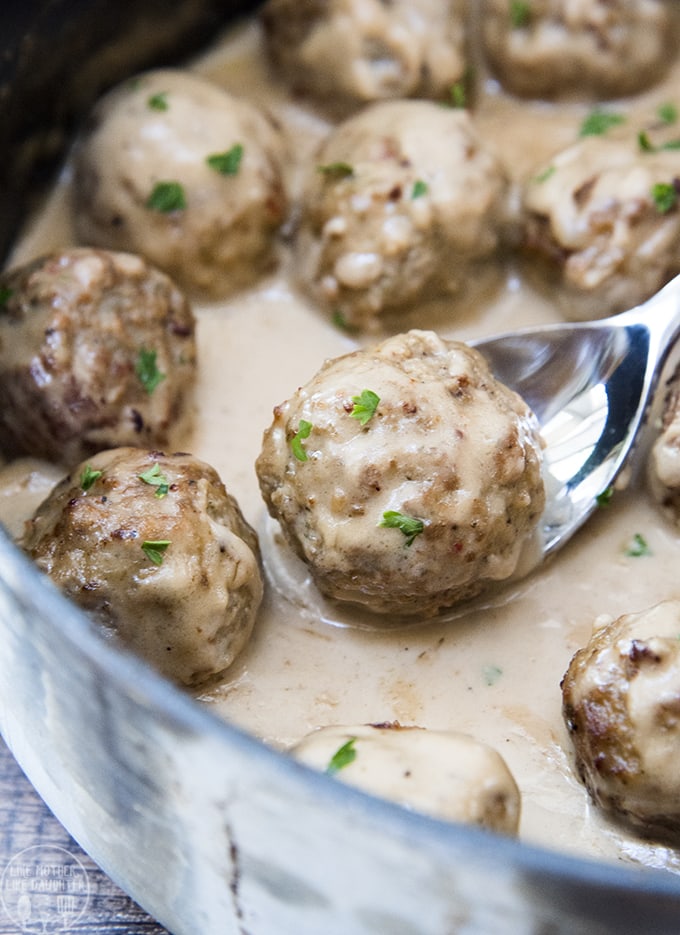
156, 551
599, 47
402, 200
664, 461
604, 217
404, 475
347, 52
97, 350
178, 170
444, 774
621, 703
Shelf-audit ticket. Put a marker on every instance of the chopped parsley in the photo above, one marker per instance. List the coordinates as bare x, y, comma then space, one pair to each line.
304, 430
158, 101
545, 174
339, 320
647, 146
5, 295
458, 95
667, 113
419, 189
342, 757
520, 13
605, 498
365, 406
664, 196
89, 476
492, 674
147, 370
336, 170
638, 547
167, 197
599, 122
227, 163
154, 549
408, 525
156, 479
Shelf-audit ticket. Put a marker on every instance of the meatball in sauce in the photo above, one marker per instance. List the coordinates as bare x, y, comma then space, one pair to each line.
156, 550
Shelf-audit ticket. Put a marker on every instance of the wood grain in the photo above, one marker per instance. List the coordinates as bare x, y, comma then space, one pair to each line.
30, 838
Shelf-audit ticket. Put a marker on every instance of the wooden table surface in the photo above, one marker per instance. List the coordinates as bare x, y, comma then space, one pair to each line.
47, 883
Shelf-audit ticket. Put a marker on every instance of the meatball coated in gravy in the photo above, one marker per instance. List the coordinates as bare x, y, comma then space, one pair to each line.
402, 200
441, 773
173, 167
621, 698
346, 52
604, 216
663, 467
607, 48
404, 475
97, 350
158, 552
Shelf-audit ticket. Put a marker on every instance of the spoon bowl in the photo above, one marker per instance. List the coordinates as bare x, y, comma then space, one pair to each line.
590, 385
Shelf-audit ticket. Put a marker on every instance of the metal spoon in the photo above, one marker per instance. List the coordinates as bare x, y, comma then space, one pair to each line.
590, 385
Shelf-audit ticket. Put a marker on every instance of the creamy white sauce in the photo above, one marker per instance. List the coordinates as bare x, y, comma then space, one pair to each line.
494, 673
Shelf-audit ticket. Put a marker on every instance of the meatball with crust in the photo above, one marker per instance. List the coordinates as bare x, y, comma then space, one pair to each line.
604, 216
405, 475
97, 350
347, 52
156, 551
173, 167
402, 201
442, 773
603, 48
621, 703
663, 467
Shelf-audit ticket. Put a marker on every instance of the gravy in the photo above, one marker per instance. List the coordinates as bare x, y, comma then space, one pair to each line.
493, 672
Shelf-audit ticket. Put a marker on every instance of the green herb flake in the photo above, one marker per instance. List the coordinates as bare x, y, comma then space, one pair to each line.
491, 674
419, 189
365, 406
156, 479
520, 13
342, 757
340, 321
605, 498
89, 476
546, 174
408, 525
158, 101
671, 144
645, 144
667, 113
336, 170
638, 547
154, 549
5, 295
458, 95
147, 370
227, 163
304, 431
599, 122
664, 196
167, 197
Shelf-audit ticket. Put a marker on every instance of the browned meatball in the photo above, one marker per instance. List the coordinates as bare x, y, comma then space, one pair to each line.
604, 216
175, 168
446, 774
347, 52
664, 460
603, 47
403, 202
404, 475
621, 702
96, 350
158, 552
